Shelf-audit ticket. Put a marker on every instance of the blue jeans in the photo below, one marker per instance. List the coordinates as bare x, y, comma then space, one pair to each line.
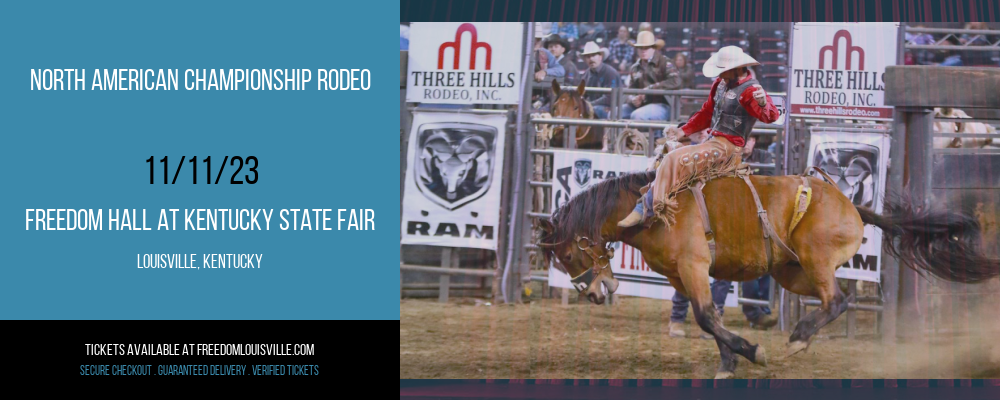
648, 112
756, 289
720, 289
648, 199
601, 112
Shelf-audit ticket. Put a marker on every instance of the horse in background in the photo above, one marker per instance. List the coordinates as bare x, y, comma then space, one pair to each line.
571, 104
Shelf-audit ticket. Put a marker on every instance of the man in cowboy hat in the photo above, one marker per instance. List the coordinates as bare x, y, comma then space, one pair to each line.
599, 75
558, 47
734, 105
651, 71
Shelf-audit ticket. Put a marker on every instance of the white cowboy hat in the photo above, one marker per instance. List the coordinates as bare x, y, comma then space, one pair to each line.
592, 48
646, 39
725, 59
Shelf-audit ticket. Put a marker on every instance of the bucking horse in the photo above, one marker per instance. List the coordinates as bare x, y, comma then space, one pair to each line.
798, 228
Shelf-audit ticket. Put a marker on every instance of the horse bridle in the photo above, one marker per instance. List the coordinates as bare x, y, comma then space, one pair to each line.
587, 278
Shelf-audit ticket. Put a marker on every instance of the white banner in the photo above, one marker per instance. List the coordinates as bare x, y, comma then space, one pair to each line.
465, 62
858, 162
838, 69
575, 172
454, 170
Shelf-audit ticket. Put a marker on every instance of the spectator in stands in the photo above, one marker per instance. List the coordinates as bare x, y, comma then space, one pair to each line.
919, 57
558, 46
545, 62
599, 75
650, 72
545, 67
952, 58
685, 69
621, 52
566, 30
591, 31
648, 27
974, 58
974, 39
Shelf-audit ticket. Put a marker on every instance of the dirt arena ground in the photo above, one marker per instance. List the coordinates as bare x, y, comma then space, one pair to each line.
543, 339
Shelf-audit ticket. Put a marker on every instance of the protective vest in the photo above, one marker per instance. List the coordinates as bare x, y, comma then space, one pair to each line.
729, 116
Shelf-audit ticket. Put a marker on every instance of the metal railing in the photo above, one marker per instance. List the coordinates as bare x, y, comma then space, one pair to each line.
944, 44
674, 96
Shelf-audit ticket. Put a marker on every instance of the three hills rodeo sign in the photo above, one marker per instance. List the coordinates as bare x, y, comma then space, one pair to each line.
465, 63
838, 69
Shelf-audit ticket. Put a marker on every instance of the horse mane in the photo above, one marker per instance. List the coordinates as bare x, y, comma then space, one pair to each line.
585, 214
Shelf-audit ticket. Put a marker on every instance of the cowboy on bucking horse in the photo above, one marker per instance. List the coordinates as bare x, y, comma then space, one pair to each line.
734, 105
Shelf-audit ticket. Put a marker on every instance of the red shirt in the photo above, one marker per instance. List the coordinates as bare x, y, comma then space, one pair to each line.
703, 118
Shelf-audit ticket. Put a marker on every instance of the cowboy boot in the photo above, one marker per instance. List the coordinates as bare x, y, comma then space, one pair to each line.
764, 322
631, 220
674, 330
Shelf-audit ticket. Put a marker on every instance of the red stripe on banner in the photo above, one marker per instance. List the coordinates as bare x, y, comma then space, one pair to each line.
829, 10
812, 10
972, 10
862, 383
991, 382
620, 11
635, 11
672, 382
649, 9
845, 15
759, 10
447, 15
928, 14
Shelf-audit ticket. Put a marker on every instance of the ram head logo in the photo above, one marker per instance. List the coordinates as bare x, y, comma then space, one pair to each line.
455, 166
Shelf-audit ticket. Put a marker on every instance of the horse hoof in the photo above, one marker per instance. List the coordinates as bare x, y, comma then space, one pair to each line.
723, 375
760, 357
796, 347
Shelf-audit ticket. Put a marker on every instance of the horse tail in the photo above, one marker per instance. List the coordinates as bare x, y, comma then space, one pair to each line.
942, 243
